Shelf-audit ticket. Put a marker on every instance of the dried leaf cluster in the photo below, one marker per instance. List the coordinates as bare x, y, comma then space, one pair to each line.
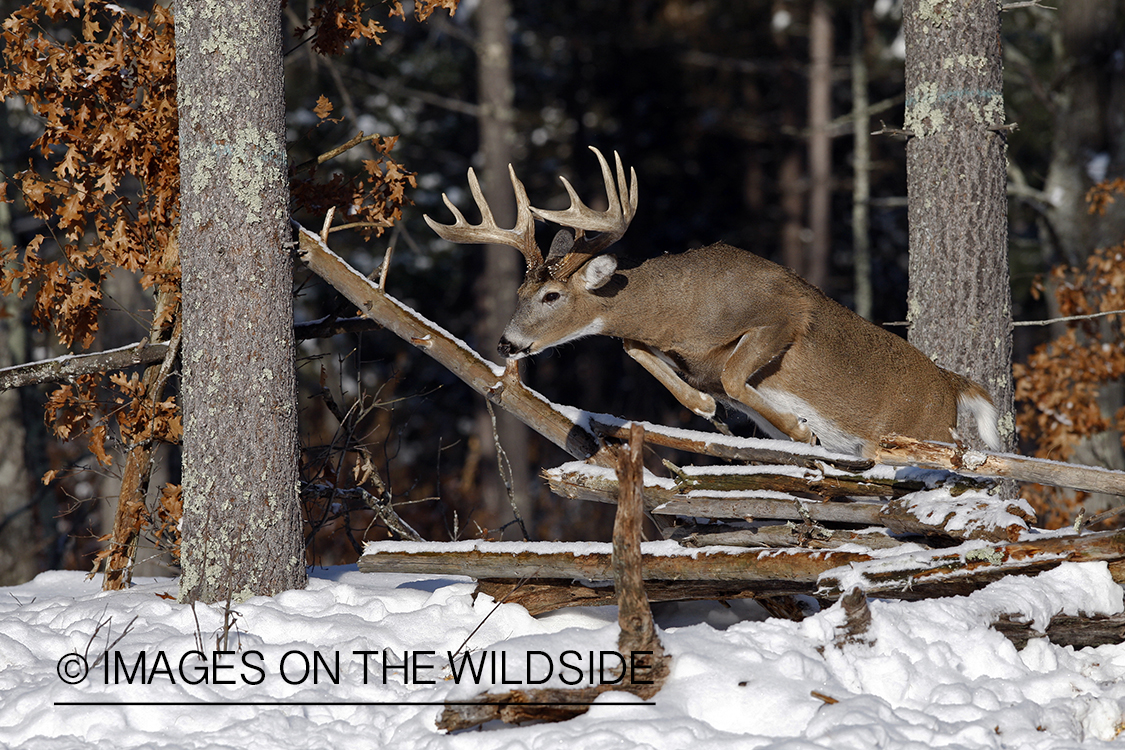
104, 181
1060, 385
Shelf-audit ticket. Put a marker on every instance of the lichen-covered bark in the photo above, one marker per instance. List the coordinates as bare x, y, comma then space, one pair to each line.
959, 302
241, 530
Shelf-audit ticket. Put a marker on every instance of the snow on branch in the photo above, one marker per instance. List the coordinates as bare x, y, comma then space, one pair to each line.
71, 366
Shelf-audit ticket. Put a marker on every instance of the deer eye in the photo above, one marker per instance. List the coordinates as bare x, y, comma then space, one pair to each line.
550, 297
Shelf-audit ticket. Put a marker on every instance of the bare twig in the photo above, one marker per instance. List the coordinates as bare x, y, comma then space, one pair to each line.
1067, 319
1026, 4
505, 466
897, 132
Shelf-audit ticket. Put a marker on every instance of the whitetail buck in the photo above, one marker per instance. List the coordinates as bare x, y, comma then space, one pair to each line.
722, 324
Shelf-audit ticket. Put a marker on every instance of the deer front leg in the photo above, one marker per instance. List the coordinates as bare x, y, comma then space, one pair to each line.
756, 349
695, 400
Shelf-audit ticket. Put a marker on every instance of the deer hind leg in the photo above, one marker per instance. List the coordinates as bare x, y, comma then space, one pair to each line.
755, 350
697, 401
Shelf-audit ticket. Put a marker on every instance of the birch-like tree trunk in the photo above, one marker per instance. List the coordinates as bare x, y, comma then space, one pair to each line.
242, 521
959, 302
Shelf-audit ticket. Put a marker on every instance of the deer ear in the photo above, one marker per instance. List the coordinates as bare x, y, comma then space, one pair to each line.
561, 245
598, 271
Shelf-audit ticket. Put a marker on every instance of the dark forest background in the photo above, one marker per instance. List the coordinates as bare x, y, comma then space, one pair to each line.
715, 105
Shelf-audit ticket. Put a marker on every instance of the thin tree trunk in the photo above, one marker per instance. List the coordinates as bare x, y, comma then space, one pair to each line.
500, 275
820, 144
861, 186
19, 532
959, 301
18, 550
242, 521
132, 510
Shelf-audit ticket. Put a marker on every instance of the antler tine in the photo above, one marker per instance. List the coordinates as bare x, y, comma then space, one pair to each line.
521, 236
611, 223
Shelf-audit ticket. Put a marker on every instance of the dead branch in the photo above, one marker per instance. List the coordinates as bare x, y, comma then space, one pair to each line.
733, 448
902, 451
69, 367
380, 504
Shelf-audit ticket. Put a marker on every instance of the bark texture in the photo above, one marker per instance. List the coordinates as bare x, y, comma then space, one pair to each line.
959, 302
242, 524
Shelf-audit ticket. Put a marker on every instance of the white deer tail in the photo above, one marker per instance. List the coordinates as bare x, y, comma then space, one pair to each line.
980, 406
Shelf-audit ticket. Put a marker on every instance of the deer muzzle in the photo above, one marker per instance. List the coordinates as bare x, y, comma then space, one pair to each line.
508, 350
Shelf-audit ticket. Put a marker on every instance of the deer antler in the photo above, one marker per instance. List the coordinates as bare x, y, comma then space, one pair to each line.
521, 236
611, 224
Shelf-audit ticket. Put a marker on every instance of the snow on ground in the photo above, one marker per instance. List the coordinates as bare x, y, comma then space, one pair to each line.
935, 675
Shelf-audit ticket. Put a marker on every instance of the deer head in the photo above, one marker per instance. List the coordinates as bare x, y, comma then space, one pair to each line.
555, 302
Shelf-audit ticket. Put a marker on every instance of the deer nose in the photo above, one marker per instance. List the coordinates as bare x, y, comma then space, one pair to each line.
508, 350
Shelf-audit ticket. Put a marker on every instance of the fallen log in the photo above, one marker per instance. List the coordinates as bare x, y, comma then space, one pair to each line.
896, 450
751, 450
549, 594
1065, 630
967, 516
822, 573
788, 534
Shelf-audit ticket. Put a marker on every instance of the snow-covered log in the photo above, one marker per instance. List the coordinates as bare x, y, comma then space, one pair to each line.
898, 574
921, 505
902, 451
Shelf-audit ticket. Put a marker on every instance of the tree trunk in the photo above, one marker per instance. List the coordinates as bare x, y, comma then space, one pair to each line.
500, 275
959, 301
820, 144
861, 166
242, 521
18, 534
